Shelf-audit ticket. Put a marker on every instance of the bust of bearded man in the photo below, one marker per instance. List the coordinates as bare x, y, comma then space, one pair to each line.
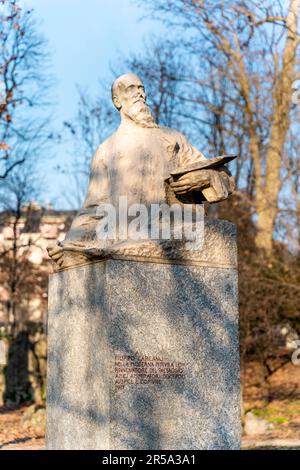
136, 161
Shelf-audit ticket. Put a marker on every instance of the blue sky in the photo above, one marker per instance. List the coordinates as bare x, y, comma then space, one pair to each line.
84, 38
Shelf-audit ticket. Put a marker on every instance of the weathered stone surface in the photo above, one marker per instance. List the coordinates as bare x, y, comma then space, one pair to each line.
144, 355
219, 248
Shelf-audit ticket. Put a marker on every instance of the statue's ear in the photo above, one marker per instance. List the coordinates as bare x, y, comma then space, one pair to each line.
117, 102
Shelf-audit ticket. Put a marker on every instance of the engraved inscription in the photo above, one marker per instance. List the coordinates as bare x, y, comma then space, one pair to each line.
139, 369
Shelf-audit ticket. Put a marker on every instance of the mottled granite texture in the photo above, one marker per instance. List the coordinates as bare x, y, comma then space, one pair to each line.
168, 312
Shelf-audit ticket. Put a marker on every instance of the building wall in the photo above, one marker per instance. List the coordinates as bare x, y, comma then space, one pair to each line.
35, 230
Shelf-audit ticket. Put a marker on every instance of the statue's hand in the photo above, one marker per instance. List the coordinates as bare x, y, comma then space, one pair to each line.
56, 253
67, 254
195, 180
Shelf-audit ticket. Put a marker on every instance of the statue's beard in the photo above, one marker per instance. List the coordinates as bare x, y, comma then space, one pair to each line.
140, 113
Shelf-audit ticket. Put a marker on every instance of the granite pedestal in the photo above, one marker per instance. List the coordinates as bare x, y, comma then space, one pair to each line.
144, 354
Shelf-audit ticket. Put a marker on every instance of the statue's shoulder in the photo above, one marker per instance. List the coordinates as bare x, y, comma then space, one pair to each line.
172, 134
168, 130
105, 146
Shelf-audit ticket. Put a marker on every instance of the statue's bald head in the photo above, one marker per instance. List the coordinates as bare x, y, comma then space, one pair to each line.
129, 83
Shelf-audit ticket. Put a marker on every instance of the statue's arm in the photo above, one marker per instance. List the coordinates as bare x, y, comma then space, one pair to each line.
84, 224
187, 153
215, 185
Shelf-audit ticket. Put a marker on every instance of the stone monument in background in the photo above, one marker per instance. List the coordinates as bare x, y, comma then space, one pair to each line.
143, 349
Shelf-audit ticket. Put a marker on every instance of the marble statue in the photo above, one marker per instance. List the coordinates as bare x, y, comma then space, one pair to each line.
137, 161
143, 339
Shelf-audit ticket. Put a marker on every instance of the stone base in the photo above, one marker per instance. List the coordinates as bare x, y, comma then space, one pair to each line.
144, 356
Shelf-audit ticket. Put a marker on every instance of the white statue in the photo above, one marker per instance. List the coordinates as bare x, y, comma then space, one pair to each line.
137, 161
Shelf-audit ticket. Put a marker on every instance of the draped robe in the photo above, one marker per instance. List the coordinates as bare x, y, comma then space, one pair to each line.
134, 162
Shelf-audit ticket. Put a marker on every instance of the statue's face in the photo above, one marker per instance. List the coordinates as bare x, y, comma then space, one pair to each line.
130, 99
130, 93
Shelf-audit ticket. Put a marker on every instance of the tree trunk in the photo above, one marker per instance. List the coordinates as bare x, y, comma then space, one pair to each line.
267, 195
